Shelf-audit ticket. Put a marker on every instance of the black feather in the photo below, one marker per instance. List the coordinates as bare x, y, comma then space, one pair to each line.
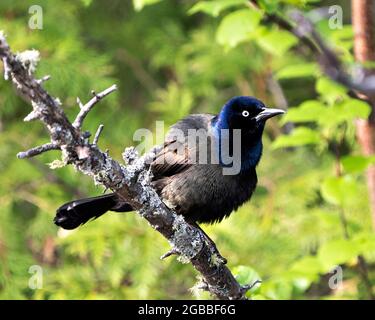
73, 214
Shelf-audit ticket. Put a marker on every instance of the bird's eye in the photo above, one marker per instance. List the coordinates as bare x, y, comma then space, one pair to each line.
245, 113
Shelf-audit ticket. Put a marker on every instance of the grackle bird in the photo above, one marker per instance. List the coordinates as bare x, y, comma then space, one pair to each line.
201, 192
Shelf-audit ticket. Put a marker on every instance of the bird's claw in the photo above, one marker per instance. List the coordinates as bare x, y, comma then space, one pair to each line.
248, 287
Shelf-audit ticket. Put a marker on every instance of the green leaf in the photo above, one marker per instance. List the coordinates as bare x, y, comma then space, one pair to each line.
277, 42
329, 90
353, 108
86, 3
303, 272
336, 252
366, 242
308, 111
140, 4
214, 8
246, 275
327, 116
269, 6
302, 70
272, 5
344, 34
308, 266
340, 190
345, 111
237, 27
299, 137
355, 164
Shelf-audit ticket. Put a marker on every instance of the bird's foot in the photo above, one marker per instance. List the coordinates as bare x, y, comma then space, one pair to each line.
248, 287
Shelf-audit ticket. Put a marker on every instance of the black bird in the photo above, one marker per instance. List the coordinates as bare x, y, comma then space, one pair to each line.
201, 192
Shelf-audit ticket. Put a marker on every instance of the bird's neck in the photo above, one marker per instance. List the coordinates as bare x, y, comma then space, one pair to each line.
251, 156
251, 144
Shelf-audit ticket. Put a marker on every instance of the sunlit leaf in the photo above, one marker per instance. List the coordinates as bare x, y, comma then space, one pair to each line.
309, 266
355, 164
237, 27
345, 111
297, 71
330, 90
86, 3
308, 111
214, 8
299, 137
140, 4
277, 42
247, 276
366, 242
336, 252
328, 116
271, 6
340, 190
354, 108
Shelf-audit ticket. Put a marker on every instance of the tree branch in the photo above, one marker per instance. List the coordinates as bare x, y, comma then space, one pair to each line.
131, 182
37, 150
97, 134
359, 83
85, 109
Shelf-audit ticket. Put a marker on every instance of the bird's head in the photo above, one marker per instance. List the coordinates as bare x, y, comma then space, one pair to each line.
246, 113
249, 115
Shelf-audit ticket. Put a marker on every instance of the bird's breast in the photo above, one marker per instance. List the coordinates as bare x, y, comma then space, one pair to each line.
203, 194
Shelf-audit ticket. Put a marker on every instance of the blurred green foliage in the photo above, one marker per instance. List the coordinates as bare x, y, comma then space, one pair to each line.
310, 212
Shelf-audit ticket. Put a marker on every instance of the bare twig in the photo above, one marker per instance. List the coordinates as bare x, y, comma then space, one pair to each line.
131, 182
33, 115
79, 102
97, 134
171, 252
331, 63
89, 105
44, 79
37, 150
6, 69
279, 99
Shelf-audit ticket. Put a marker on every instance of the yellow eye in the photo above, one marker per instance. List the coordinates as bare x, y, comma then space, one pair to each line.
245, 113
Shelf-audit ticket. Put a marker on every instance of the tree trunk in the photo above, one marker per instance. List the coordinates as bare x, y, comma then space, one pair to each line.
364, 49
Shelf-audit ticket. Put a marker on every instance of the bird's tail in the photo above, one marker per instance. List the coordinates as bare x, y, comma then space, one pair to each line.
75, 213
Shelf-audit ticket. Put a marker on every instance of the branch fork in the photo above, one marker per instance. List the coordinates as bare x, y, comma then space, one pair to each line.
85, 109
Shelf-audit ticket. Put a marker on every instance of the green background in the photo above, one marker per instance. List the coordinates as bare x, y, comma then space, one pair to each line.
169, 59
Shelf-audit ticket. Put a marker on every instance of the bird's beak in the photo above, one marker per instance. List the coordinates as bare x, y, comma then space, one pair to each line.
268, 113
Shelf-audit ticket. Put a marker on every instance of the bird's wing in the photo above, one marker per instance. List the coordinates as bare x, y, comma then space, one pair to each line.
170, 161
177, 154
